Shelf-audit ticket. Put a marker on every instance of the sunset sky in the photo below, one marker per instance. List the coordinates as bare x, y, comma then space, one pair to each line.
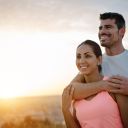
38, 39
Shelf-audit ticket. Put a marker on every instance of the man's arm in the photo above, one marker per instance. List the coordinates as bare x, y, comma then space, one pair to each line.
122, 101
121, 89
84, 90
78, 78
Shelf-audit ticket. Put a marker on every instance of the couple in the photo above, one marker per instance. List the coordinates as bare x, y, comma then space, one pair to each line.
100, 102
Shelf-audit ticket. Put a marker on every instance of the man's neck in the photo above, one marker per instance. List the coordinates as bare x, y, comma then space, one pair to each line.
114, 51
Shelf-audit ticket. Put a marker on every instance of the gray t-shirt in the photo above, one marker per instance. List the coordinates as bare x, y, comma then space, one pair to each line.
115, 65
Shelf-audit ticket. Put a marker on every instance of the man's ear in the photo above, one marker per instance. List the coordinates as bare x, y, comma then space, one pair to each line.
122, 31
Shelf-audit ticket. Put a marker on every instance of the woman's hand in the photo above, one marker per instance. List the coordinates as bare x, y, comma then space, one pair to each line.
67, 98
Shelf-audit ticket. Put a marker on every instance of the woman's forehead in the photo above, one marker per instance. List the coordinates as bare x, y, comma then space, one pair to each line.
84, 48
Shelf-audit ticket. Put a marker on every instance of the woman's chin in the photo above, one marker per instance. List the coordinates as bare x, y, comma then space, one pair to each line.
84, 73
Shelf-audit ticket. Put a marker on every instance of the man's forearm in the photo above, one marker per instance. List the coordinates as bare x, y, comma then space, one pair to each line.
84, 90
122, 102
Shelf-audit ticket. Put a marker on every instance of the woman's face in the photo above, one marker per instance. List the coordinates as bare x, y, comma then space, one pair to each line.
86, 60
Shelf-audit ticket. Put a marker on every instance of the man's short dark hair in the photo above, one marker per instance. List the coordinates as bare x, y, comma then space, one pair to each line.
119, 19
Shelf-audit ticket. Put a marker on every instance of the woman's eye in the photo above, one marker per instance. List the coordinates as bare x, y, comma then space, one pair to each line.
87, 56
78, 56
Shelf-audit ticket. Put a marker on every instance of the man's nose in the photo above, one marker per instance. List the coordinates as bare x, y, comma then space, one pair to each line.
102, 30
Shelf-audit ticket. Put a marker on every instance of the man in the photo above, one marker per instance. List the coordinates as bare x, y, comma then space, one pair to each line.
111, 33
114, 65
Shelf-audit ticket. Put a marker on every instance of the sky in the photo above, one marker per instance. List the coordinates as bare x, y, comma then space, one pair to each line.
38, 40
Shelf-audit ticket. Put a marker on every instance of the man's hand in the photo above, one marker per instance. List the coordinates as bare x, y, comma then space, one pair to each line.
119, 83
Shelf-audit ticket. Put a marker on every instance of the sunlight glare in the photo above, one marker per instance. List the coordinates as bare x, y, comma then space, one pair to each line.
8, 94
33, 63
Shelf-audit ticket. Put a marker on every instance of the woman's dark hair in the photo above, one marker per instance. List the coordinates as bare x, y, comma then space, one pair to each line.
96, 49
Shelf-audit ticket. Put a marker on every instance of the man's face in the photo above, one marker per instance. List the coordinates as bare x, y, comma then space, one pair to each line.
108, 33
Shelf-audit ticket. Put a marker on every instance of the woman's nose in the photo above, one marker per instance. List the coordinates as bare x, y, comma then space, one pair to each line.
82, 60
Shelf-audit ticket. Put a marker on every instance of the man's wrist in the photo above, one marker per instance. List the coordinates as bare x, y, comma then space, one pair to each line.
102, 85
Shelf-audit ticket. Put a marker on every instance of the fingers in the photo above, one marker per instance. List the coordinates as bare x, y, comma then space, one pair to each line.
120, 84
115, 85
123, 91
116, 91
66, 91
67, 98
69, 90
118, 77
115, 80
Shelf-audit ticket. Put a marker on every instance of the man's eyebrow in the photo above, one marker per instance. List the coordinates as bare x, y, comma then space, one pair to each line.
106, 25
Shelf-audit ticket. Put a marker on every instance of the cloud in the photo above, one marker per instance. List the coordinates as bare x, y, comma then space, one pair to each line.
55, 15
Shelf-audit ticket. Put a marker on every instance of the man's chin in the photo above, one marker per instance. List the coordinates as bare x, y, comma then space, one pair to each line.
103, 44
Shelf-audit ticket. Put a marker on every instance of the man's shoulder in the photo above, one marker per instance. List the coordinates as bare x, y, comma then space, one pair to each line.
123, 54
126, 51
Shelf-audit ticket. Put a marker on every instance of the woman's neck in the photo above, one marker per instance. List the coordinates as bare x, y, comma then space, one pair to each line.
93, 78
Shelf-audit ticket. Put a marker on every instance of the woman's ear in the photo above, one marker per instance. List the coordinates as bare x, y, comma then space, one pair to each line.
99, 60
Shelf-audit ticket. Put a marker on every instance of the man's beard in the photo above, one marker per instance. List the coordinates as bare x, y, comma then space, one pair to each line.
105, 44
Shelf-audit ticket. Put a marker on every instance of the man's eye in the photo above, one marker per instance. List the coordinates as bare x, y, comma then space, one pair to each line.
108, 27
100, 27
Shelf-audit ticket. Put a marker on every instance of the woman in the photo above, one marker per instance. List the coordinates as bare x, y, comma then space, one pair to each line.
97, 111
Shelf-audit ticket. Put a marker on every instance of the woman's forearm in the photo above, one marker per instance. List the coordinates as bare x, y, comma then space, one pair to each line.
69, 120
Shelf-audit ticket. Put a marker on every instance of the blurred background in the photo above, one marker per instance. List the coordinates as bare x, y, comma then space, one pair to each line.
38, 40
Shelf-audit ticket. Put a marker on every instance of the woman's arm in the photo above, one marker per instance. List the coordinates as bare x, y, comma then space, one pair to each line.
70, 120
122, 101
66, 104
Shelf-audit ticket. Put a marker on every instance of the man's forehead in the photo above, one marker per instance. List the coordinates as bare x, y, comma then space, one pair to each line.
107, 22
110, 21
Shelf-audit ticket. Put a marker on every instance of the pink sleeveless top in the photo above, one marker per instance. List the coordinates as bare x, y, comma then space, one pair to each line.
99, 112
